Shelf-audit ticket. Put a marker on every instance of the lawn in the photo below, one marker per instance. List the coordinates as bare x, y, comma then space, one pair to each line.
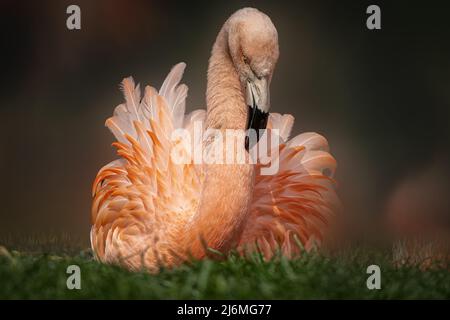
39, 272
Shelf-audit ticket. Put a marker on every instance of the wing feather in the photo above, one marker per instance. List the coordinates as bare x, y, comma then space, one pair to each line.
292, 209
175, 94
132, 95
137, 196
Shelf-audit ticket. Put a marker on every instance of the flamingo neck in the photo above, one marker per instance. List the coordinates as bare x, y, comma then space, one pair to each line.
226, 107
227, 188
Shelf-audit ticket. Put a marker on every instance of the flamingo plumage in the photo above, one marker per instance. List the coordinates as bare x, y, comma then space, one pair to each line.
149, 212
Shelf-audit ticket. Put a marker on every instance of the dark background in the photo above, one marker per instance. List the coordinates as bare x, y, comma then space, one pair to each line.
382, 98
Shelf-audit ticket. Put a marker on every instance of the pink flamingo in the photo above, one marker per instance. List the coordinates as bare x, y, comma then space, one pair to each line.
149, 211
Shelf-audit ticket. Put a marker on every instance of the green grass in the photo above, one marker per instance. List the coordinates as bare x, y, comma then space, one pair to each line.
38, 275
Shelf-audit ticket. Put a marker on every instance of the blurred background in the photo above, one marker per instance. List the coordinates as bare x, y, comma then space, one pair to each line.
382, 99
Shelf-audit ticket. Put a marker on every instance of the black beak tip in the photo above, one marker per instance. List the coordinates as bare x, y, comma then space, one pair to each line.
257, 120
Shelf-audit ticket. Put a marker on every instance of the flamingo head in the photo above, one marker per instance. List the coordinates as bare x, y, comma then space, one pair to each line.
253, 47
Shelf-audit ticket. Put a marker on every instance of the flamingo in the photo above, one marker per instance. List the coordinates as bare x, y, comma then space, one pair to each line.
149, 212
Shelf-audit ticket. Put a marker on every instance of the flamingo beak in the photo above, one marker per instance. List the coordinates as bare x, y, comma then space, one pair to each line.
258, 102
